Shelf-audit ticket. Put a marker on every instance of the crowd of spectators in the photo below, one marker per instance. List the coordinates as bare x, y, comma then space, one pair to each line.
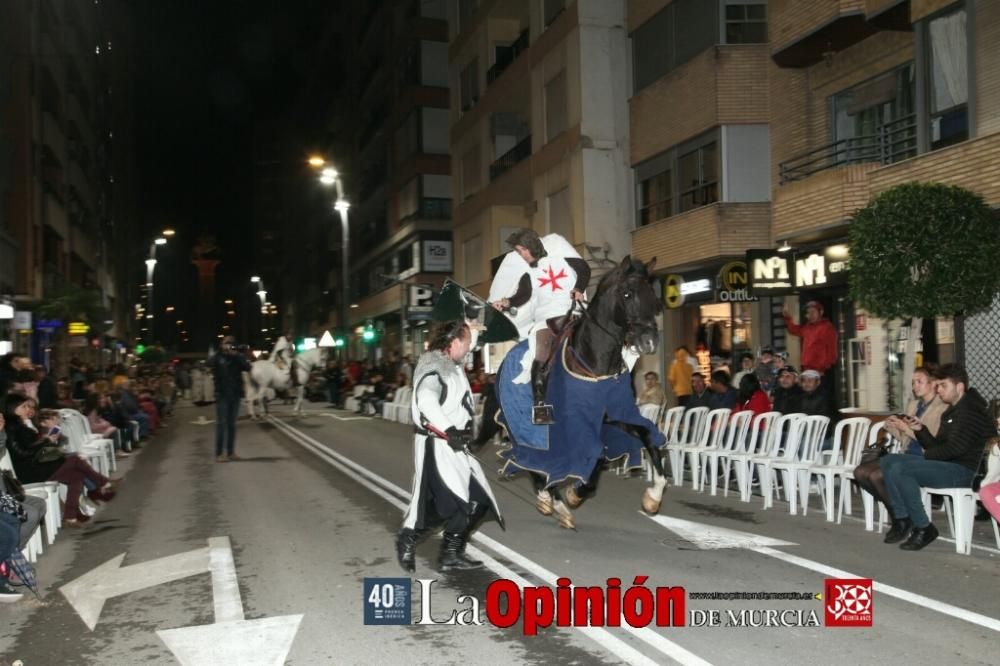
127, 406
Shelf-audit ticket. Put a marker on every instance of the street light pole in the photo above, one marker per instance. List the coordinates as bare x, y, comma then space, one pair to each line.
150, 265
341, 207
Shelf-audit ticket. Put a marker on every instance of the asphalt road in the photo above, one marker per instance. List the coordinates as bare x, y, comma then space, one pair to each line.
311, 511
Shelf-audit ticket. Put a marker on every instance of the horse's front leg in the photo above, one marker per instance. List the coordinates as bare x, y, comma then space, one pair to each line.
652, 497
299, 393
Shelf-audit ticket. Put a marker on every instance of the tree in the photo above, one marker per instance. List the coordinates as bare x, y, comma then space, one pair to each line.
924, 250
70, 303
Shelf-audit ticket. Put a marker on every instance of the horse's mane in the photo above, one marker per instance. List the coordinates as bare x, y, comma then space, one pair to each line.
617, 273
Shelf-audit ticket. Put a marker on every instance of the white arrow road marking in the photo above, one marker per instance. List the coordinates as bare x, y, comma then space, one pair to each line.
263, 642
88, 593
203, 421
225, 587
391, 493
708, 537
709, 533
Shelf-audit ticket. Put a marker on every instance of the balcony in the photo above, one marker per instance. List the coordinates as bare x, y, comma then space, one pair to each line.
802, 32
823, 201
508, 160
714, 231
505, 55
891, 143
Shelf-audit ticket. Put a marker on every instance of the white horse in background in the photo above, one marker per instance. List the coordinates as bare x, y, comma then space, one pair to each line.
266, 375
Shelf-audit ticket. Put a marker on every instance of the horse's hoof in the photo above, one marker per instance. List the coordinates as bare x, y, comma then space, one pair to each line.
544, 507
649, 505
566, 521
572, 498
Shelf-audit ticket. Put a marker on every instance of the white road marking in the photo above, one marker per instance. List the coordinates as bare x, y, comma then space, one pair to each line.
225, 587
708, 537
262, 642
382, 487
203, 421
88, 593
918, 599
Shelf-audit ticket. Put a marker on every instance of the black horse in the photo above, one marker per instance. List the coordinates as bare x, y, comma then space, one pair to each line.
590, 372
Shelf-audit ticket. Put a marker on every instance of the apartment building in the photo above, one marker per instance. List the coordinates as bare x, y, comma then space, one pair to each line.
397, 172
539, 129
855, 96
63, 215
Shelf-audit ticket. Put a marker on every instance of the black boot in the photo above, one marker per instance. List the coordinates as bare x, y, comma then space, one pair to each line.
900, 530
541, 413
406, 548
453, 553
920, 537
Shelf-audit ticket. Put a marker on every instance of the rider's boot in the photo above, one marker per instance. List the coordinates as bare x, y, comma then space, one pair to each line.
541, 413
453, 553
406, 548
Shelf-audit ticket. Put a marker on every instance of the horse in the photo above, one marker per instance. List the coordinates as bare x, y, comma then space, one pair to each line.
591, 388
265, 374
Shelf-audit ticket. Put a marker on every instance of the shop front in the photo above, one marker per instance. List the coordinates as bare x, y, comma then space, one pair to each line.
711, 312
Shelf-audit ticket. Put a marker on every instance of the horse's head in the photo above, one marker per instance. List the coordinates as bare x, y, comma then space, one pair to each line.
629, 287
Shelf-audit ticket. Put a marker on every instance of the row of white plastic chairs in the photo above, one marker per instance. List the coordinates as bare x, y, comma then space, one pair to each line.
791, 446
96, 449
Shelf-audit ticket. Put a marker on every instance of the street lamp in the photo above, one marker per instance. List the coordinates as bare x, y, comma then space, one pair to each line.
150, 265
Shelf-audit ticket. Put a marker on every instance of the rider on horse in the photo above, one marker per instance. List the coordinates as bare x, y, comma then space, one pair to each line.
541, 278
283, 356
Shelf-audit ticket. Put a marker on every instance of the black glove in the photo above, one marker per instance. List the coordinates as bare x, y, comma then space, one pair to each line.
458, 440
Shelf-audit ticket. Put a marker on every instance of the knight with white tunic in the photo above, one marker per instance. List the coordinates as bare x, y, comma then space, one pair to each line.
283, 356
540, 278
449, 486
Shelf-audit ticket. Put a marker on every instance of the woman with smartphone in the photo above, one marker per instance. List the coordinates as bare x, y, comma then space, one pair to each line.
37, 456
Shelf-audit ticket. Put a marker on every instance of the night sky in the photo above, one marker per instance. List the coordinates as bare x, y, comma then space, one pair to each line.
206, 72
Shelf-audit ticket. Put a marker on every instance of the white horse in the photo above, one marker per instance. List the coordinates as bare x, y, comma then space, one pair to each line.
266, 375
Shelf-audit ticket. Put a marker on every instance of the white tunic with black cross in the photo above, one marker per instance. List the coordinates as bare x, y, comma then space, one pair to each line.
442, 399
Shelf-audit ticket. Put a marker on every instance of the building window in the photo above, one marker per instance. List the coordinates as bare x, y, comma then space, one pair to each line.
874, 120
745, 22
552, 9
560, 214
555, 106
470, 172
469, 84
472, 258
698, 177
673, 36
656, 198
407, 136
948, 79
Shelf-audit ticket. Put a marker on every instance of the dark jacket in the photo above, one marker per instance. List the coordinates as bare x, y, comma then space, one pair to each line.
816, 403
22, 445
965, 427
702, 400
48, 397
788, 401
725, 400
227, 372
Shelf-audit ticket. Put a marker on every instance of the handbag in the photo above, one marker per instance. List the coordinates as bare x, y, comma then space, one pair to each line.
13, 486
49, 454
872, 454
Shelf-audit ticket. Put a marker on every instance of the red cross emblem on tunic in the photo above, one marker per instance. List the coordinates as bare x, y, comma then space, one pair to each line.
552, 279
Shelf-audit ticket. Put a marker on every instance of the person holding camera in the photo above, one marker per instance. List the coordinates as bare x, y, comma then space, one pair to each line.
227, 367
449, 486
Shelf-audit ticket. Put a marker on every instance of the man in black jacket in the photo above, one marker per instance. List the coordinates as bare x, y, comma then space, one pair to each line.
950, 459
227, 367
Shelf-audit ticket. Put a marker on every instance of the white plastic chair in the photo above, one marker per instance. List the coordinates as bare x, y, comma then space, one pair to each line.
690, 430
743, 455
93, 438
46, 490
867, 501
849, 439
795, 469
736, 434
351, 404
785, 438
960, 505
78, 443
711, 435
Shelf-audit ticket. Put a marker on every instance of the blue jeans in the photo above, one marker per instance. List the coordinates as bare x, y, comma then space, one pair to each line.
10, 528
904, 475
227, 408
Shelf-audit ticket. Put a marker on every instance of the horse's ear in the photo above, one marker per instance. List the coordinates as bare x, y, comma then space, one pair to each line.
626, 263
650, 265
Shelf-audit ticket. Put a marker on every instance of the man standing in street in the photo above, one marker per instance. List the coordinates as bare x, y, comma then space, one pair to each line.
449, 486
950, 459
227, 367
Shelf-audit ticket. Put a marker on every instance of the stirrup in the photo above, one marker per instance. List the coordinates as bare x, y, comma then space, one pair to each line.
542, 415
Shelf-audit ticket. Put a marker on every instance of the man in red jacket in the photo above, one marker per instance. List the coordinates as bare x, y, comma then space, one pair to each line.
819, 338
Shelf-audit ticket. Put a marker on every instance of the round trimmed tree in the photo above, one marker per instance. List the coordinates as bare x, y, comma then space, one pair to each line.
924, 250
